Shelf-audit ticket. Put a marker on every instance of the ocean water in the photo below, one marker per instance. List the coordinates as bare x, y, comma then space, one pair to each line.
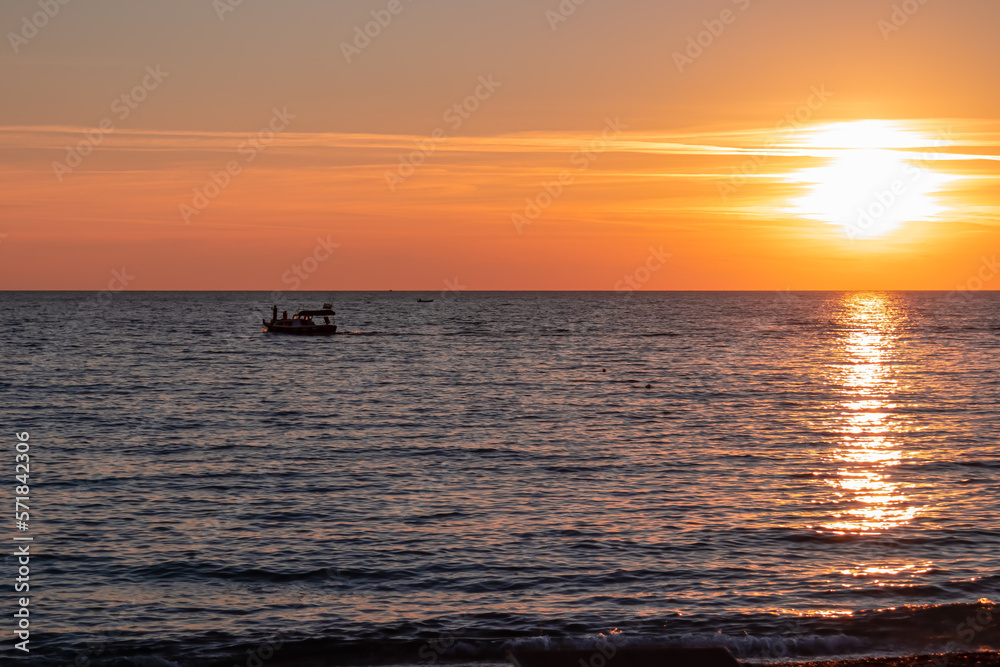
784, 474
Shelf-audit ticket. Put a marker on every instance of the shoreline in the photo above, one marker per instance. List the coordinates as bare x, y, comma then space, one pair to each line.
718, 656
963, 659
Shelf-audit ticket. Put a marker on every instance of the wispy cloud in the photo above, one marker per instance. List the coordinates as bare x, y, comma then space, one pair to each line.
973, 143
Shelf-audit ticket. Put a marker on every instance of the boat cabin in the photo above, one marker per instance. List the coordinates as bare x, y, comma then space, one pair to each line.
302, 322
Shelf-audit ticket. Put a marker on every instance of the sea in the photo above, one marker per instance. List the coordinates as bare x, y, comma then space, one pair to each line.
789, 475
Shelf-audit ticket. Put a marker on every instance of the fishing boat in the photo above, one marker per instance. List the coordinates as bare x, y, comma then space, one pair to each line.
302, 323
425, 300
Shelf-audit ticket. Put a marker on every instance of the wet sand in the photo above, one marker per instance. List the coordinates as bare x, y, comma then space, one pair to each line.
937, 660
720, 657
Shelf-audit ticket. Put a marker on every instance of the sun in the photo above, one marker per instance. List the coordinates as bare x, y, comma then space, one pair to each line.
877, 177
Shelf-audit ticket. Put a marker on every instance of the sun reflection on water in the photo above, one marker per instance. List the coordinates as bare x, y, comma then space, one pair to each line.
869, 446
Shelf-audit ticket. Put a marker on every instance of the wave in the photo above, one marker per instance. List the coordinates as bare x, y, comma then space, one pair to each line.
904, 630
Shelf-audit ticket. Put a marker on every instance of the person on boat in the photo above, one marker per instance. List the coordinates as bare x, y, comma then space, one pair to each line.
274, 313
284, 314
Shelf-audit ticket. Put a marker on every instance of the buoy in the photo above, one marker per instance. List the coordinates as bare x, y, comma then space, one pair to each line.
649, 386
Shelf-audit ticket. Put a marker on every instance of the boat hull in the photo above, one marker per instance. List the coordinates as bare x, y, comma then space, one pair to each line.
315, 330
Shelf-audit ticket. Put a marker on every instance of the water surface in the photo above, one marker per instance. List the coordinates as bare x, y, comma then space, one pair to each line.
785, 474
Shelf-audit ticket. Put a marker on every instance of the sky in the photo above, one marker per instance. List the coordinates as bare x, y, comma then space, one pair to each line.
499, 144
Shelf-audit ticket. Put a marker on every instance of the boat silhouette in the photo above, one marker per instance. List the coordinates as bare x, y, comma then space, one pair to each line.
301, 323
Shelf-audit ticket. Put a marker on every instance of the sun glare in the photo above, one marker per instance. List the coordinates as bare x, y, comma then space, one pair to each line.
866, 134
878, 178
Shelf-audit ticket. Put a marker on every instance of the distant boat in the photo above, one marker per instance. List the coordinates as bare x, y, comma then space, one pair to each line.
425, 300
302, 323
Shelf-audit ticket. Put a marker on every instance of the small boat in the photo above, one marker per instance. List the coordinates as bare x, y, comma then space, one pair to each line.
425, 300
302, 322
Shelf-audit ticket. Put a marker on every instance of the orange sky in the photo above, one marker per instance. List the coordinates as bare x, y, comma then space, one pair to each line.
436, 153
